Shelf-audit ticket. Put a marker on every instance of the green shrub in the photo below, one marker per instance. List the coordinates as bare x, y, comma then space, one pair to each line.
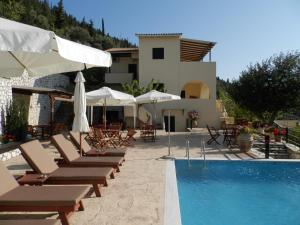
16, 120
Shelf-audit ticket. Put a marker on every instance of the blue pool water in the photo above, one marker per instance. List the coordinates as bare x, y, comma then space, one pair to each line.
239, 192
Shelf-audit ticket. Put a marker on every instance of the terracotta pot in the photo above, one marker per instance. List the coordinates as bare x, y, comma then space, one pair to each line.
245, 142
277, 138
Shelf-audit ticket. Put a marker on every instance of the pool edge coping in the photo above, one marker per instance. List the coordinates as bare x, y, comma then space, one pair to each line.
172, 208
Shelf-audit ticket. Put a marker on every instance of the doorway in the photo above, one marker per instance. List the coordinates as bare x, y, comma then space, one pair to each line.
132, 68
172, 123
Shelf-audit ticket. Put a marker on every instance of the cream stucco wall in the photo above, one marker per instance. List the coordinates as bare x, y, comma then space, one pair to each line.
164, 70
175, 74
179, 109
121, 65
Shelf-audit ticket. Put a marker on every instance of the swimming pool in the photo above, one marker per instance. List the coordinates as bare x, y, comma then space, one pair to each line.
239, 192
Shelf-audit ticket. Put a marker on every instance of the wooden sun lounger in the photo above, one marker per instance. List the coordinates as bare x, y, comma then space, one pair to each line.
71, 156
30, 222
62, 199
90, 151
43, 164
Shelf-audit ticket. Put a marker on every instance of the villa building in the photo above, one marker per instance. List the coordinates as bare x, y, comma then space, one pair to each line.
182, 66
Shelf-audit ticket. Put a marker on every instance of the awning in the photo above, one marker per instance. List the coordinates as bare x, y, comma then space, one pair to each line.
194, 50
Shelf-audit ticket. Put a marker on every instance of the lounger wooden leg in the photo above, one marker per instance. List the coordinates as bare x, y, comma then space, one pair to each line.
118, 169
97, 190
81, 207
63, 216
112, 175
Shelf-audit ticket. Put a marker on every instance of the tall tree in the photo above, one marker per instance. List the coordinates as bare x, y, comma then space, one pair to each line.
103, 28
269, 87
59, 15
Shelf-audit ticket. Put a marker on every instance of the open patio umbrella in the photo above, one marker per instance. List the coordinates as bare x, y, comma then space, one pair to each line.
41, 52
106, 96
80, 123
156, 97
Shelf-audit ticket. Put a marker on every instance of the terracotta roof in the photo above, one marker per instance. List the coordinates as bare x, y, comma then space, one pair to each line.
125, 50
160, 35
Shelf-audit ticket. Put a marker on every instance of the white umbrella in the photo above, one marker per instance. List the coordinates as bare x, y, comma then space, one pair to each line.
80, 123
106, 96
155, 97
41, 52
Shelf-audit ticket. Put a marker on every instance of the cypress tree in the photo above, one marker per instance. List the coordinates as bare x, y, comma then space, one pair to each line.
59, 15
103, 29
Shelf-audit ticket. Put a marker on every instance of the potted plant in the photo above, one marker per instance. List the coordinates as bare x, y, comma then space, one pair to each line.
278, 134
194, 116
15, 127
245, 139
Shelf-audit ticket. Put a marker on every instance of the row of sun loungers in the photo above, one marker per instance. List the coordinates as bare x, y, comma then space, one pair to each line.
61, 177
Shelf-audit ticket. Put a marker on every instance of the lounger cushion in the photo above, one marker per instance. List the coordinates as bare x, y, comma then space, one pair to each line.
50, 196
98, 161
7, 181
65, 147
30, 222
75, 137
80, 174
40, 160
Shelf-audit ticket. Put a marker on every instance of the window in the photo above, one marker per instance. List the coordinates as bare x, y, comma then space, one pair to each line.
158, 53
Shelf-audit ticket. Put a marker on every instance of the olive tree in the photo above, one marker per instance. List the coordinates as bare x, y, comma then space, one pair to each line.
269, 87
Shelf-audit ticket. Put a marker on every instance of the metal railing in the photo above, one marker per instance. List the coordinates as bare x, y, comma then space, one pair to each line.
292, 137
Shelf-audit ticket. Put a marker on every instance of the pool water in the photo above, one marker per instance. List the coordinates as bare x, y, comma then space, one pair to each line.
239, 192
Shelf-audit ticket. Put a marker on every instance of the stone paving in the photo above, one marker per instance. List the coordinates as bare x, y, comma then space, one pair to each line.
136, 196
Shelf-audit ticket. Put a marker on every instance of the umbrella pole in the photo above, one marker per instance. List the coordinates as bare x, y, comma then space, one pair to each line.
80, 143
92, 114
154, 124
104, 110
169, 132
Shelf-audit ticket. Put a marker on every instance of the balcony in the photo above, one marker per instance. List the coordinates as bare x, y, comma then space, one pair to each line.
118, 78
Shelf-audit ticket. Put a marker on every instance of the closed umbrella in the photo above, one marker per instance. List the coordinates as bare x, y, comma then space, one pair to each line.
156, 97
106, 96
80, 123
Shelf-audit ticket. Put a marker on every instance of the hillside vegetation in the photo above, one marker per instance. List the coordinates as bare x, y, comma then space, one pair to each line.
42, 14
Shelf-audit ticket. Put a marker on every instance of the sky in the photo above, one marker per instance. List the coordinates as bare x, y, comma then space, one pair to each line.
245, 31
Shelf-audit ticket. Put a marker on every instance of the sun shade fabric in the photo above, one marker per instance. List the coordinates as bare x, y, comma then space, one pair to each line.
156, 96
80, 123
42, 52
109, 97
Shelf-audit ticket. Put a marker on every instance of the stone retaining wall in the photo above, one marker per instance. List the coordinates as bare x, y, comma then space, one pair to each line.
10, 154
39, 106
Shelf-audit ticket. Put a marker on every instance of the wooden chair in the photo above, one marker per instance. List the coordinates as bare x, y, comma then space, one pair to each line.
214, 134
147, 132
91, 151
129, 138
229, 135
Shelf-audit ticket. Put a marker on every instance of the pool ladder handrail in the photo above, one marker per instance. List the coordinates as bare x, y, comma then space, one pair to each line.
203, 152
187, 145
